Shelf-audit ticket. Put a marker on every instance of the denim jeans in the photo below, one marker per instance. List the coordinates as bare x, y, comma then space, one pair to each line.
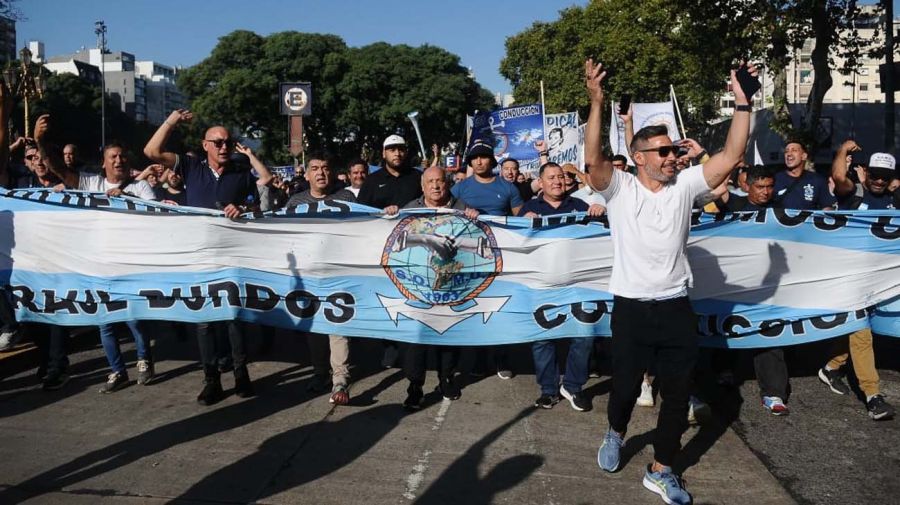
546, 371
111, 344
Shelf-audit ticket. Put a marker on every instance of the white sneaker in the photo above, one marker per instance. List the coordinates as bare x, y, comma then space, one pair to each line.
646, 398
697, 409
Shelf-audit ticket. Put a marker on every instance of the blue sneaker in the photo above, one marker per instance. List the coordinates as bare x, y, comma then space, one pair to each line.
668, 486
608, 455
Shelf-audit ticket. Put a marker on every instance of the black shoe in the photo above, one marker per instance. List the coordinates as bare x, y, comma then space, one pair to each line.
212, 390
546, 401
390, 357
834, 379
879, 409
414, 396
55, 380
226, 367
448, 388
576, 400
319, 383
243, 388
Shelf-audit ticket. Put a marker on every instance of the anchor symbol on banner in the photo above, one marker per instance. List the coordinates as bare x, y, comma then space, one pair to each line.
441, 263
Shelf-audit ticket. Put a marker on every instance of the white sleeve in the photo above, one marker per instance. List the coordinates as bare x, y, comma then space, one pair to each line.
615, 182
589, 196
88, 182
142, 190
694, 181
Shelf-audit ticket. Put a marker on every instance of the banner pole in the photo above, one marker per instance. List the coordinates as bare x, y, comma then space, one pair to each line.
677, 111
543, 113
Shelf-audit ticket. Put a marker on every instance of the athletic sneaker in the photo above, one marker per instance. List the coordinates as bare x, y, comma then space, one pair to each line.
54, 381
879, 408
576, 400
339, 395
608, 456
775, 405
697, 410
449, 389
505, 374
646, 398
667, 485
145, 371
546, 401
834, 379
114, 382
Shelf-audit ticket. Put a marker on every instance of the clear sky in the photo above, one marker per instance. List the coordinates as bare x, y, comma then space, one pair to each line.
184, 32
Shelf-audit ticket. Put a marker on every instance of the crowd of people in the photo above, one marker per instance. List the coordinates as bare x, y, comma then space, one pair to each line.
649, 204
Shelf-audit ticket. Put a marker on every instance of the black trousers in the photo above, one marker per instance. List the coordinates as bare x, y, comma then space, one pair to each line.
661, 334
415, 362
209, 336
771, 372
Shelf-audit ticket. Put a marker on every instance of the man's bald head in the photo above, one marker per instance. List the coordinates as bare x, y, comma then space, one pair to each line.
218, 145
435, 189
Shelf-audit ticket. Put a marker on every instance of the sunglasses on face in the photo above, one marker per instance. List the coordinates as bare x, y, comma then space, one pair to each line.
881, 174
221, 142
30, 157
663, 151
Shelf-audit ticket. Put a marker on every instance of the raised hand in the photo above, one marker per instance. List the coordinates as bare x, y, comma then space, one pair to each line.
41, 126
241, 148
179, 116
593, 78
741, 98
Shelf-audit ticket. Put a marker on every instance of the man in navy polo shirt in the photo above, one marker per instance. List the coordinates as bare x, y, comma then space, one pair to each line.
214, 182
798, 188
553, 200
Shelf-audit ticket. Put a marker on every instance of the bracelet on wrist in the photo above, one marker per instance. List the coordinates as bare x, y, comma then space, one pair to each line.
744, 108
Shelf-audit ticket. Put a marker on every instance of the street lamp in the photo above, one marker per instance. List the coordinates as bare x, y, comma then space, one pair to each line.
100, 31
27, 82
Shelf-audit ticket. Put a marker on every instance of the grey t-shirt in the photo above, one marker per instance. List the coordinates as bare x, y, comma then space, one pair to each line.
307, 197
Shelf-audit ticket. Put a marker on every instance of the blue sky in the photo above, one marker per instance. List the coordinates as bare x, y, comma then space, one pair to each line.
184, 32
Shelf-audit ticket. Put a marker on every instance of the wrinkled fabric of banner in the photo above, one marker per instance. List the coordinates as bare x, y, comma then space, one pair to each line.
759, 278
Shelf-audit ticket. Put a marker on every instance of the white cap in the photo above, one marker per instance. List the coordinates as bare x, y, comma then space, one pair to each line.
394, 140
882, 160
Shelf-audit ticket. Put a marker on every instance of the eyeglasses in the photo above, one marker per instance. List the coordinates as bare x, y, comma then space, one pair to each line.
663, 151
221, 142
885, 175
30, 157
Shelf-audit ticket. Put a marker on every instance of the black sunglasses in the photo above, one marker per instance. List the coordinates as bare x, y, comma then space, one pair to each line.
221, 142
664, 151
883, 174
29, 157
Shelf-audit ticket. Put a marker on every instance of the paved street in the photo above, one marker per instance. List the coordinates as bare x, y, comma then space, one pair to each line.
154, 444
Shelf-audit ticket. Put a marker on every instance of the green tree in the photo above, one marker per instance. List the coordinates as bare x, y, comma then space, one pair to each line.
359, 94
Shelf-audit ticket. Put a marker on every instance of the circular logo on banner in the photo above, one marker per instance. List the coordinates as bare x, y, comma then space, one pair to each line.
443, 259
295, 99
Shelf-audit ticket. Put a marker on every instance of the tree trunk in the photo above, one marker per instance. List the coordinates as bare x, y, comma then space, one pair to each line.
824, 38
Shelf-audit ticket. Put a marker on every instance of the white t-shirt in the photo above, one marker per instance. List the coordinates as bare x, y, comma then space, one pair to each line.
353, 190
589, 196
649, 234
98, 183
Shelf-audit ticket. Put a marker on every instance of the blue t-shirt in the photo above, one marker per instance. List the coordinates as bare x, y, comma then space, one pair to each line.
867, 202
809, 193
496, 198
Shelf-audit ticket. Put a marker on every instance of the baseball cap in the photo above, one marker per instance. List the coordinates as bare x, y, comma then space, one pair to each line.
394, 140
882, 160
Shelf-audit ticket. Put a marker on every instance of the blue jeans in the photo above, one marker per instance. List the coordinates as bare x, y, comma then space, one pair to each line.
547, 373
111, 344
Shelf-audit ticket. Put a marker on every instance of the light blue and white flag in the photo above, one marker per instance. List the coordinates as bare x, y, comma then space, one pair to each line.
759, 279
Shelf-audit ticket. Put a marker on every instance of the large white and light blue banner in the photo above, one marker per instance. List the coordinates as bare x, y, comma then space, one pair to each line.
565, 143
642, 114
512, 131
759, 279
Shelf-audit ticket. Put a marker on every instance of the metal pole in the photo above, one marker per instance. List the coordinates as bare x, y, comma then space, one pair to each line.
889, 77
100, 30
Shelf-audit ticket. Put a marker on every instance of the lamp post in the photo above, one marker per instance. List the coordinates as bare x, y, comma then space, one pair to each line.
100, 30
27, 82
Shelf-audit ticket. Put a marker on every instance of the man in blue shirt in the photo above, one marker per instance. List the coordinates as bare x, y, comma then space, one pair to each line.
798, 188
553, 200
214, 182
494, 196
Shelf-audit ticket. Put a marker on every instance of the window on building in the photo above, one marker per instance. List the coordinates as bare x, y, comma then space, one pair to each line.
864, 71
864, 87
806, 76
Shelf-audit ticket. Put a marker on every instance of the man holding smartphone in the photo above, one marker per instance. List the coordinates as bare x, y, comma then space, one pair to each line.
652, 318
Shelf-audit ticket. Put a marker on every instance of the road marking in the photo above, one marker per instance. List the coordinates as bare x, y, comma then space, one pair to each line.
415, 478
